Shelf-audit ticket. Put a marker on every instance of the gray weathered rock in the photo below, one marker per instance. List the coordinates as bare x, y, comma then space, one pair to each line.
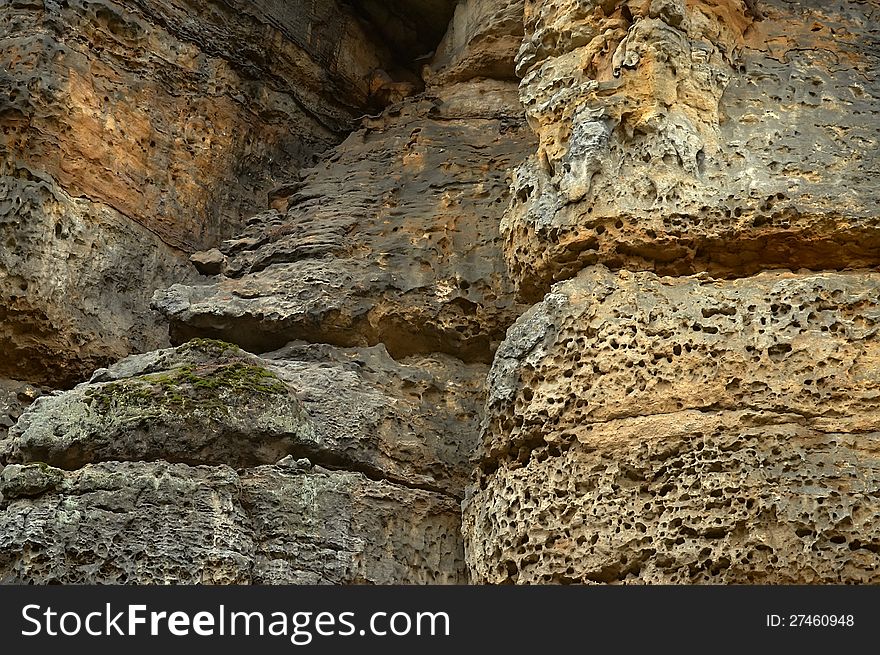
203, 403
15, 396
700, 140
390, 514
160, 523
133, 132
416, 420
208, 402
208, 262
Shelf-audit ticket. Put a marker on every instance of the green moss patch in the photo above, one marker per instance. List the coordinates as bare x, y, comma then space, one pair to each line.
206, 386
213, 347
27, 480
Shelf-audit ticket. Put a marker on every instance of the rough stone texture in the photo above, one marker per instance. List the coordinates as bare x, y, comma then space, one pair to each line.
161, 523
722, 428
641, 429
132, 130
15, 396
416, 420
354, 530
326, 460
482, 41
208, 402
76, 278
669, 430
181, 125
163, 429
393, 239
203, 403
684, 139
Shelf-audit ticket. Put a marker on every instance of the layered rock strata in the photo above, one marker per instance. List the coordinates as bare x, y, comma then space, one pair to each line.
606, 271
694, 137
377, 279
265, 470
161, 523
717, 428
133, 133
682, 430
392, 240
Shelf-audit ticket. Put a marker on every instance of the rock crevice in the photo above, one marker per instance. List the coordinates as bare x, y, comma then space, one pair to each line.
375, 277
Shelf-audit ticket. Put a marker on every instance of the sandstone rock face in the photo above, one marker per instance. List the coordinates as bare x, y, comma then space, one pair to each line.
190, 122
161, 523
482, 41
377, 279
415, 421
646, 429
204, 403
392, 240
695, 139
582, 292
208, 402
669, 430
76, 279
132, 133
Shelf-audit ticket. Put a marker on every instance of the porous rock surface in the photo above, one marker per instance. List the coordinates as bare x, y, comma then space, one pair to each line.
161, 523
134, 132
712, 428
684, 137
681, 430
606, 272
327, 460
15, 396
338, 454
203, 403
393, 239
76, 279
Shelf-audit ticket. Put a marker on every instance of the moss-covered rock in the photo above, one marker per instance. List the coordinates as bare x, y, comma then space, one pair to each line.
213, 347
206, 402
20, 481
189, 387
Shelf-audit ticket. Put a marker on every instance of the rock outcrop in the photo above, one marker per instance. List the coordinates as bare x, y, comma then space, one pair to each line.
132, 134
392, 240
700, 139
203, 403
670, 430
716, 428
161, 523
304, 470
574, 292
482, 41
377, 279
